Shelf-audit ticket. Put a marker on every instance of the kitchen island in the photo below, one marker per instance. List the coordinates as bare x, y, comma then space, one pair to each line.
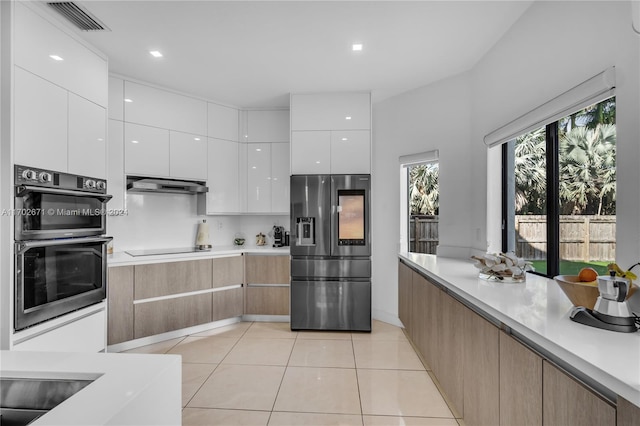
127, 389
445, 305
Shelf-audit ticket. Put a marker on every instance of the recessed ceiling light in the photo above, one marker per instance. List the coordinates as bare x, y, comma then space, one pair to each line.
128, 100
155, 53
348, 117
357, 47
258, 149
100, 139
254, 167
317, 162
134, 141
56, 58
196, 139
345, 139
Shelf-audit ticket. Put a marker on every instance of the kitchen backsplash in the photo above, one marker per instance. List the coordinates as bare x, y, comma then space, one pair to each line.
171, 220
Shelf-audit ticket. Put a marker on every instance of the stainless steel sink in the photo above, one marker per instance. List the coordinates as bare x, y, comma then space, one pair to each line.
22, 400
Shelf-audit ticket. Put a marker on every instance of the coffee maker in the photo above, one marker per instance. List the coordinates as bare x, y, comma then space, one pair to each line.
611, 311
278, 236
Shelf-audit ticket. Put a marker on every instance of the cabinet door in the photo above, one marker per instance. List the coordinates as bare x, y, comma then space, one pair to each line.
223, 177
566, 402
267, 300
146, 150
259, 178
227, 271
222, 122
280, 178
450, 350
331, 111
171, 314
267, 126
351, 152
310, 153
187, 156
40, 119
162, 279
481, 371
628, 414
87, 138
159, 108
520, 384
266, 269
120, 305
116, 185
227, 304
404, 296
80, 71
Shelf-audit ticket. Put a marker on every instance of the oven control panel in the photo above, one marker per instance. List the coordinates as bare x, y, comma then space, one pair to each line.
33, 176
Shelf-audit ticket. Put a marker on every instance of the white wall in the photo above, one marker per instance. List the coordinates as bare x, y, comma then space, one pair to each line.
433, 117
454, 115
171, 221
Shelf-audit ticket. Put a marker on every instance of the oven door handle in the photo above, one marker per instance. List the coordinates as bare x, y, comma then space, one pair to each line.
23, 246
25, 189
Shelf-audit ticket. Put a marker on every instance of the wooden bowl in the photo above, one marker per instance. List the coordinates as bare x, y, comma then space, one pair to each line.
580, 293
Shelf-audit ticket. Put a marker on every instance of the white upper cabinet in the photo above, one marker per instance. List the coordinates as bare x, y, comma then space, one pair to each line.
115, 172
160, 108
146, 150
116, 98
259, 177
87, 149
46, 50
187, 156
267, 126
223, 177
279, 178
351, 152
310, 152
331, 111
222, 122
40, 119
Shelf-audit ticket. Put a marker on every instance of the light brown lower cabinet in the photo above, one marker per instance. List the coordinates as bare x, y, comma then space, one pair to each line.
160, 279
266, 269
267, 300
481, 371
120, 305
227, 304
566, 402
520, 384
450, 351
171, 314
227, 271
628, 414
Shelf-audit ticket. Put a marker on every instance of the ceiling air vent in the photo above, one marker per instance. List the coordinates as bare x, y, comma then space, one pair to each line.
78, 16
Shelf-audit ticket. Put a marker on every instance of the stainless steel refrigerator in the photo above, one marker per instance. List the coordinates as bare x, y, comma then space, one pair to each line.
330, 252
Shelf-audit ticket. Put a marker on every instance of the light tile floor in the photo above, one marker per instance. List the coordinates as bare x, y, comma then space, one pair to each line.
264, 374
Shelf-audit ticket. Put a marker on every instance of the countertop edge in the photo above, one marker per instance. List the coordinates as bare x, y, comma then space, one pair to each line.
552, 350
124, 259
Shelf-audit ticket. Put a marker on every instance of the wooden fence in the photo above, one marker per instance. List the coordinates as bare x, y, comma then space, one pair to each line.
582, 238
423, 234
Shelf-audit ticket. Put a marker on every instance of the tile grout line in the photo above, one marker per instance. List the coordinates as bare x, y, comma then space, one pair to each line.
286, 367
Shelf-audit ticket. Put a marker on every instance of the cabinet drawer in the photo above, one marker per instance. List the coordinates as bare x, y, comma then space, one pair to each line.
267, 269
227, 271
227, 304
162, 279
171, 314
267, 300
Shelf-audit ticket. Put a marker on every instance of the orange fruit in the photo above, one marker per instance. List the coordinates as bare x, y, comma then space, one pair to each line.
587, 275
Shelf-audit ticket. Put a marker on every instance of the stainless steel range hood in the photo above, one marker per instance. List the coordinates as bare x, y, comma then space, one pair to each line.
173, 186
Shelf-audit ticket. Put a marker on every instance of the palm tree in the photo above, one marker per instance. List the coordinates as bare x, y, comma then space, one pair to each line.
423, 189
588, 170
530, 174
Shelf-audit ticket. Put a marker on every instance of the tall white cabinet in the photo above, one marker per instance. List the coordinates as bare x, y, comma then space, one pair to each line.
331, 133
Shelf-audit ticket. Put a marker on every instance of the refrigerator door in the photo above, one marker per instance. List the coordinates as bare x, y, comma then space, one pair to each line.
350, 219
331, 305
310, 215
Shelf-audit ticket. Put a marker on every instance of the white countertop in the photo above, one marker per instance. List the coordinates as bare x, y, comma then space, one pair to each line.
539, 311
123, 259
122, 382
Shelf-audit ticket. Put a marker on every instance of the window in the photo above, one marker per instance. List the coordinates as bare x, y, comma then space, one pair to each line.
423, 206
559, 185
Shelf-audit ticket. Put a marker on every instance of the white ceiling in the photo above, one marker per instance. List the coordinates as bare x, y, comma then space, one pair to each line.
254, 53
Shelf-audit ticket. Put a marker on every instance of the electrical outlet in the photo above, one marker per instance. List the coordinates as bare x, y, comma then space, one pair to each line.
219, 225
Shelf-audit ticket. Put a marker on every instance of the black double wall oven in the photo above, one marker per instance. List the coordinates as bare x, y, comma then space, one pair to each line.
60, 246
